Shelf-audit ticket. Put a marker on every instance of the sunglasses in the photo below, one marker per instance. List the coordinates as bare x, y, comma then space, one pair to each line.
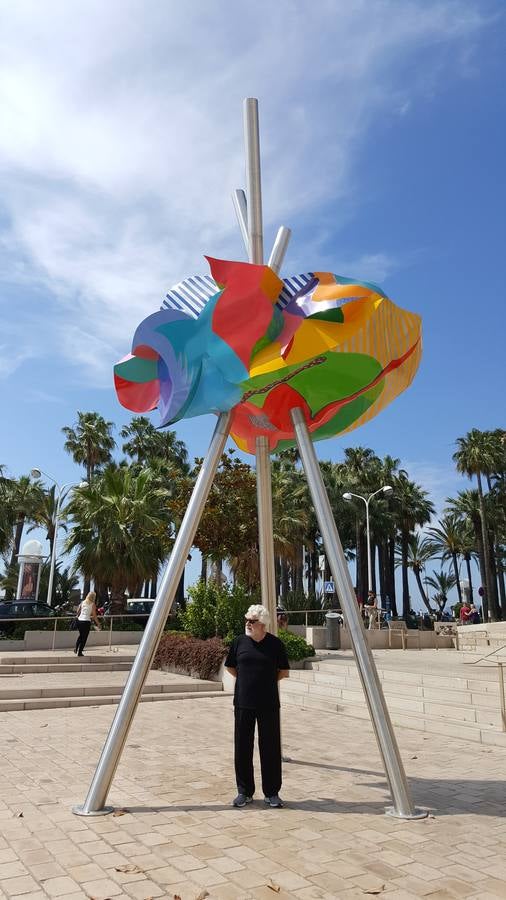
250, 621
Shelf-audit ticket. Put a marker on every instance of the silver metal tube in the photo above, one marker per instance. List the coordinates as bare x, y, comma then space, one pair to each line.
403, 805
99, 789
265, 530
241, 211
263, 463
279, 249
253, 181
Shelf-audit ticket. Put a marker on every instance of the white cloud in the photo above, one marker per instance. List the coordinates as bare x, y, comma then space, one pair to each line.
439, 481
121, 135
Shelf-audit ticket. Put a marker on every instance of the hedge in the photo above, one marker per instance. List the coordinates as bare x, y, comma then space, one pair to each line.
191, 655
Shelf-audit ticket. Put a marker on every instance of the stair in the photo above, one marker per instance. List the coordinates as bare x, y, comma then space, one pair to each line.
461, 702
50, 681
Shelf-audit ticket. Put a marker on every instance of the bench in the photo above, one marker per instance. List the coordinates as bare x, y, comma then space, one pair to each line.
398, 628
446, 629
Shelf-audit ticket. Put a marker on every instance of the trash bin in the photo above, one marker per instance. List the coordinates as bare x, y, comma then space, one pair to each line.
332, 635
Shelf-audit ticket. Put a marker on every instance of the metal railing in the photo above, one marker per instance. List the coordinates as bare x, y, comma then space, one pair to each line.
14, 621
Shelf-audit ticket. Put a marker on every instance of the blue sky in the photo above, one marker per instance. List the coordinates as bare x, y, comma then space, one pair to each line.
382, 132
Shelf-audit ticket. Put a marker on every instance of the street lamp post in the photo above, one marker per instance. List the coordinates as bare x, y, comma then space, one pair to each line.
386, 489
36, 473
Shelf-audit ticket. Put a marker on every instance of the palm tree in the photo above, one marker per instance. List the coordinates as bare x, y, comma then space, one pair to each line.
23, 498
90, 441
6, 511
146, 444
420, 551
121, 529
442, 584
412, 508
475, 456
448, 540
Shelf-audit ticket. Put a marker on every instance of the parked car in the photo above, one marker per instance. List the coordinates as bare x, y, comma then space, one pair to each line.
142, 609
22, 609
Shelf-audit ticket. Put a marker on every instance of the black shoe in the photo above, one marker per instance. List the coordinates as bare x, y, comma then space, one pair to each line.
241, 800
80, 654
275, 802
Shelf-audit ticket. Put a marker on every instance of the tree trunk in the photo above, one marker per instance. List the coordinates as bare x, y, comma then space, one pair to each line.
391, 576
469, 576
493, 571
423, 595
457, 578
492, 607
154, 587
203, 569
500, 579
405, 582
285, 578
179, 597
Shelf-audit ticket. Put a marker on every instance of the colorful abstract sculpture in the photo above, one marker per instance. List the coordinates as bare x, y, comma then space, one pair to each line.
249, 342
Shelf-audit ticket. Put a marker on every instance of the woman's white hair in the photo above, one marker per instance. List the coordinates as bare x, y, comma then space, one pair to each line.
259, 612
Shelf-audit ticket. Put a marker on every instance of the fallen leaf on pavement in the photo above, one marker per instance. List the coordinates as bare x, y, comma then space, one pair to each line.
203, 894
375, 890
20, 815
119, 812
129, 869
274, 887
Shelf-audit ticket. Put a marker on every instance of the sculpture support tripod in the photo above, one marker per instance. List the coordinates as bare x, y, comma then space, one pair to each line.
97, 795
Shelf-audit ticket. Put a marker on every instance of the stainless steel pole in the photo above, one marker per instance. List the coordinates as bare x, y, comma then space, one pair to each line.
95, 801
265, 530
253, 181
403, 806
241, 211
279, 249
263, 461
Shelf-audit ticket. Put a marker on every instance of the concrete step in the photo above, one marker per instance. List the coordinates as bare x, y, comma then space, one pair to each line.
15, 705
465, 706
477, 732
475, 693
78, 666
95, 690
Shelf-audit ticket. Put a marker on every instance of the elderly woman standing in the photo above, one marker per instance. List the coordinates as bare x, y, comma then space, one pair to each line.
258, 661
86, 611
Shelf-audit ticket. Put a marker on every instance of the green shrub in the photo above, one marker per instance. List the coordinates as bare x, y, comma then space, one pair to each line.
216, 611
190, 655
295, 646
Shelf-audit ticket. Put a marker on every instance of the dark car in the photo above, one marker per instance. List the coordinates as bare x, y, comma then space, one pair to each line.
22, 609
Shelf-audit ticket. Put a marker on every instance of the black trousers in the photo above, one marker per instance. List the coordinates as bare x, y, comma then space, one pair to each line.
269, 745
84, 630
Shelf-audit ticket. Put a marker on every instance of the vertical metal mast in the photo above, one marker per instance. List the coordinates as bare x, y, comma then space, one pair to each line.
263, 459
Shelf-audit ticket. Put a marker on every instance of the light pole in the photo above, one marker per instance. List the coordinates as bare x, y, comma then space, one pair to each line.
36, 473
386, 489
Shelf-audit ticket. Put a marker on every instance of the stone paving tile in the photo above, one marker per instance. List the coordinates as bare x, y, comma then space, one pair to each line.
174, 783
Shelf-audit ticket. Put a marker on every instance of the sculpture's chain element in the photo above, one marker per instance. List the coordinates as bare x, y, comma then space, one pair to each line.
264, 390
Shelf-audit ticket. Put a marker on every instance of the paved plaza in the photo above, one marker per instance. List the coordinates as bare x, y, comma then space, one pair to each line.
174, 833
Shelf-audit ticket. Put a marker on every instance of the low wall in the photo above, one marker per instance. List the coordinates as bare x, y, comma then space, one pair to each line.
65, 640
377, 639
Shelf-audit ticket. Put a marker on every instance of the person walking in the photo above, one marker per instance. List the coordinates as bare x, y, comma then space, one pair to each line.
86, 611
371, 607
258, 661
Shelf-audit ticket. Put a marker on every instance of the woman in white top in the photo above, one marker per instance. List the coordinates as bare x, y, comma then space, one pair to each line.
86, 611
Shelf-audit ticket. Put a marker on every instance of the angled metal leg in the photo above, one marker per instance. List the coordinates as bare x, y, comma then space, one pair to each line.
94, 805
402, 803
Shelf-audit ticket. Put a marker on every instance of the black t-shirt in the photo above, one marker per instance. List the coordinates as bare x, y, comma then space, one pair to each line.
257, 664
